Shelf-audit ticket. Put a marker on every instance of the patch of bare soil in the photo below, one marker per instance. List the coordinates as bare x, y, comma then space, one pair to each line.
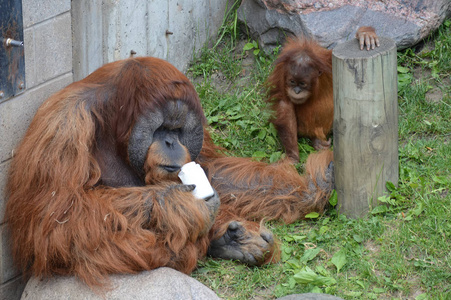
436, 93
219, 80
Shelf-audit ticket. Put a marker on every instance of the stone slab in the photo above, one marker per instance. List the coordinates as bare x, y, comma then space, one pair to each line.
162, 284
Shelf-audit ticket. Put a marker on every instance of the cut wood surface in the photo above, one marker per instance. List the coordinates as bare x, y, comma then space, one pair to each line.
365, 131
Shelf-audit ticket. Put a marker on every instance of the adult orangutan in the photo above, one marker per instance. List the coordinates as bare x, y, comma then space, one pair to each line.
300, 91
93, 187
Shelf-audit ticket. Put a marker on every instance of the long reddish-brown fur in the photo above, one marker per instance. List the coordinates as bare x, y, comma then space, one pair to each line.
62, 220
256, 190
313, 118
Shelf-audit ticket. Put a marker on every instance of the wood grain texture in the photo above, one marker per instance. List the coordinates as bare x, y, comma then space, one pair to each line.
365, 124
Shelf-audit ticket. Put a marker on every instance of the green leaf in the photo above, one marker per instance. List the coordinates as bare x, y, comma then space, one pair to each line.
305, 276
379, 210
270, 140
379, 290
316, 290
404, 80
322, 271
286, 252
288, 238
291, 283
312, 215
323, 229
339, 259
403, 70
384, 199
435, 73
423, 296
441, 180
275, 156
213, 119
272, 129
308, 276
408, 218
418, 210
390, 186
310, 254
258, 154
294, 238
261, 135
358, 238
236, 116
359, 282
333, 200
248, 46
298, 238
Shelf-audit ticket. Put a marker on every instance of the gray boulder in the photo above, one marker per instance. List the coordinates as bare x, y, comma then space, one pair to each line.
162, 283
310, 296
332, 22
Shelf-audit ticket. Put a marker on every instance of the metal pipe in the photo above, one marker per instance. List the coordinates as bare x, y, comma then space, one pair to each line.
12, 43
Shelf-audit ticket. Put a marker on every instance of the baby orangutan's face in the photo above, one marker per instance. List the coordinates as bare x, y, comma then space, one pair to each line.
300, 79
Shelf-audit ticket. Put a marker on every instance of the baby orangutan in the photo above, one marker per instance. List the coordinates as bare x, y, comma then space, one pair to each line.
300, 91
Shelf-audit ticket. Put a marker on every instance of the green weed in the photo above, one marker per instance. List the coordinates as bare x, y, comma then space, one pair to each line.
401, 249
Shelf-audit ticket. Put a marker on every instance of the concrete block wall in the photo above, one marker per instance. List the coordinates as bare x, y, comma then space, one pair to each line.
66, 40
175, 30
48, 68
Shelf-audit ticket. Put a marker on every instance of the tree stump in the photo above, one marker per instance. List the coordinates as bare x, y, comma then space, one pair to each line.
365, 124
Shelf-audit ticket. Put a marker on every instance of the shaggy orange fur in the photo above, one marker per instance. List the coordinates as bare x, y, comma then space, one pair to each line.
65, 220
300, 91
255, 190
312, 118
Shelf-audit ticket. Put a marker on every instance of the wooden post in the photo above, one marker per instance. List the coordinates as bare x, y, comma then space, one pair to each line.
365, 124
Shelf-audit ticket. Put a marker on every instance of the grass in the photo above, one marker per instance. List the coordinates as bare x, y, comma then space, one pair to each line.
402, 251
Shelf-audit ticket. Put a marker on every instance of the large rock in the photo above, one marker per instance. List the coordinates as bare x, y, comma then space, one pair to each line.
332, 22
162, 283
310, 296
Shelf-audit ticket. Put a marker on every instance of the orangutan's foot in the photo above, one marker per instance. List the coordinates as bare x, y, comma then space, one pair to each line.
239, 243
319, 144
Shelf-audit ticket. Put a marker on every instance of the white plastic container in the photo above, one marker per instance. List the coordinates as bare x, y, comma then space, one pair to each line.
192, 173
